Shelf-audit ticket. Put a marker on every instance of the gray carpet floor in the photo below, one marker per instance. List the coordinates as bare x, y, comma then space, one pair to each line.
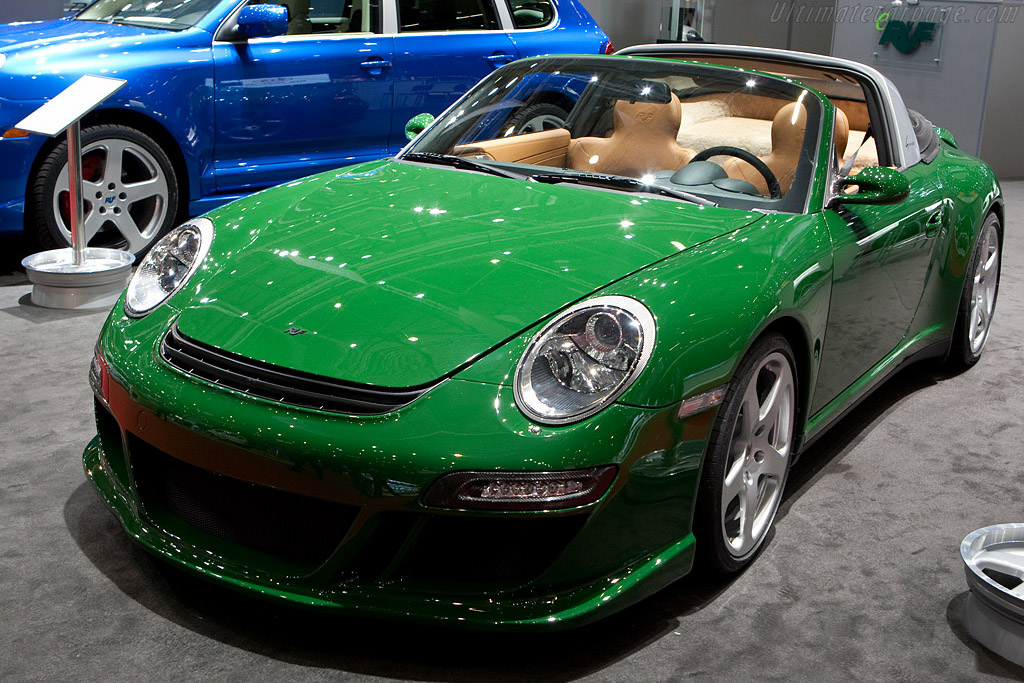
861, 581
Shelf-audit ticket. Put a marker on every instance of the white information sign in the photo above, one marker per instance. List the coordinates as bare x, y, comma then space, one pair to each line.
77, 100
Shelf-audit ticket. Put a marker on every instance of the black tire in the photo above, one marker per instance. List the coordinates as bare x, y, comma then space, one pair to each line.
110, 208
717, 519
968, 344
538, 117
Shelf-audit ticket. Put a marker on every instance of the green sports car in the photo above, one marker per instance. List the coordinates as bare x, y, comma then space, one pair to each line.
531, 369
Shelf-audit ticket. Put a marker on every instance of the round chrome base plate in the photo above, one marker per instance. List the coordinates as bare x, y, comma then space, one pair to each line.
994, 563
96, 282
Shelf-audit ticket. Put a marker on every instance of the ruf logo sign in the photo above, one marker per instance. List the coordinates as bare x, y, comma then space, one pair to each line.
906, 36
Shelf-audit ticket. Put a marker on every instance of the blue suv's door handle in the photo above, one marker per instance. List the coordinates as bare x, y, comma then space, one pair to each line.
500, 59
375, 65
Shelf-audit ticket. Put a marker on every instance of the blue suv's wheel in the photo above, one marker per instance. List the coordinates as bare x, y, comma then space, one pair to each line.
130, 192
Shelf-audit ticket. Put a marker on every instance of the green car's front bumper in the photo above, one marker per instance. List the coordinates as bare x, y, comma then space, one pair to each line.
325, 510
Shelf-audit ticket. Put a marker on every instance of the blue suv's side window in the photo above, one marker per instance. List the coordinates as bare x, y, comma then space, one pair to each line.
532, 13
332, 16
447, 15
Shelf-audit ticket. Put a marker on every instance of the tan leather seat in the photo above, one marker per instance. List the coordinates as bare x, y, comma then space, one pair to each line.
788, 128
787, 140
643, 140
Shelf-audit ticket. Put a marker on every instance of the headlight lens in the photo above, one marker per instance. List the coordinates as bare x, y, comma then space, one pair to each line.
168, 266
584, 359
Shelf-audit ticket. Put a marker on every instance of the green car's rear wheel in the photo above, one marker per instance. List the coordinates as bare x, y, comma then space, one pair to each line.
748, 457
978, 300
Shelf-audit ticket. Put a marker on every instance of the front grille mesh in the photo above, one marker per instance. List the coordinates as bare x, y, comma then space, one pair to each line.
280, 384
289, 526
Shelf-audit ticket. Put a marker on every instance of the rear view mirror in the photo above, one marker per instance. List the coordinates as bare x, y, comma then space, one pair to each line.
637, 90
874, 185
262, 21
418, 124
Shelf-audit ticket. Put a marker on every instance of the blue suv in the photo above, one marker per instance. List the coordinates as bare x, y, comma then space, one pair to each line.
225, 97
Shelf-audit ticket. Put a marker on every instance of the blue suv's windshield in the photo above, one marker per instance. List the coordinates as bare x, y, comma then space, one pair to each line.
173, 15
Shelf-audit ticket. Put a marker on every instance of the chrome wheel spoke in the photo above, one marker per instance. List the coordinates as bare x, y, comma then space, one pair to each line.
93, 223
749, 516
129, 230
1004, 561
774, 464
113, 167
733, 484
154, 187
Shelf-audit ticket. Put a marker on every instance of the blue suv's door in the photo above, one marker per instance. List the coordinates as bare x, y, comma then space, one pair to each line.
442, 48
316, 98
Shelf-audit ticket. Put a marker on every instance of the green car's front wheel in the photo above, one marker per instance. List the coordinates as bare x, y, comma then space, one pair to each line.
748, 457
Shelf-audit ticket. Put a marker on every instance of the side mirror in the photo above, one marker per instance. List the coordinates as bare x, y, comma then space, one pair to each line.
875, 185
946, 137
417, 125
262, 21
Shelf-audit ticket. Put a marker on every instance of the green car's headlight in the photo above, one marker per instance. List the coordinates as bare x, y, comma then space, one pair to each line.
168, 266
584, 359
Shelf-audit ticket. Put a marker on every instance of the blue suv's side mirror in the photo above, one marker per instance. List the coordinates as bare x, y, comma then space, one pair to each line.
262, 21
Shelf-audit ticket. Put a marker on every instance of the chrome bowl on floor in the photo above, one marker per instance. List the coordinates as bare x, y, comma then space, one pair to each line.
994, 563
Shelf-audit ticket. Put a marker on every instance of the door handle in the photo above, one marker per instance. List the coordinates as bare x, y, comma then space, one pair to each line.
375, 65
499, 59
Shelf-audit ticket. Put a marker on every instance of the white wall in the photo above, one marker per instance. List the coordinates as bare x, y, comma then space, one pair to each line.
19, 10
627, 22
1002, 144
804, 25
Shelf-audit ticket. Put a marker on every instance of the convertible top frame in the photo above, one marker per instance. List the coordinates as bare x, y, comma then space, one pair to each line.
896, 140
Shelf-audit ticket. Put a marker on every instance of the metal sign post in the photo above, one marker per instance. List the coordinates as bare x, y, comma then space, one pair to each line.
77, 213
78, 277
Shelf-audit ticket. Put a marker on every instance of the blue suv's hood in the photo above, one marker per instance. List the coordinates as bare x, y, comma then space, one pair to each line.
39, 35
45, 57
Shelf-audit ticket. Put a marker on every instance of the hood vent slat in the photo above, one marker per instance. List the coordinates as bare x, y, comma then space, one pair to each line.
279, 384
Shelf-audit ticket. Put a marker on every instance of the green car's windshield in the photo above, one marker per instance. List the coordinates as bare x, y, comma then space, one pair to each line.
173, 15
729, 136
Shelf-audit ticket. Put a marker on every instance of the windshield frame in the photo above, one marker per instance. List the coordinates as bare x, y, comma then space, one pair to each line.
815, 152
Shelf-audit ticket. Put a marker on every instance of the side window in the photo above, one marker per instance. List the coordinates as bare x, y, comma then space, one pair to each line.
532, 13
447, 15
331, 16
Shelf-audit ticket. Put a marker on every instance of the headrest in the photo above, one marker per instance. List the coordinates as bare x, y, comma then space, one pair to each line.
788, 128
841, 134
651, 117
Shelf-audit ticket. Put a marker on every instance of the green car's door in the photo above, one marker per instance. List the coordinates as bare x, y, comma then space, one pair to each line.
881, 257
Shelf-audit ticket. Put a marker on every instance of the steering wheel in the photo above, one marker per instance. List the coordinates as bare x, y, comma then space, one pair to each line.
774, 189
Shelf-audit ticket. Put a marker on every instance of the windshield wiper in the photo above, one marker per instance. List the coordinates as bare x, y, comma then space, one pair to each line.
457, 162
617, 182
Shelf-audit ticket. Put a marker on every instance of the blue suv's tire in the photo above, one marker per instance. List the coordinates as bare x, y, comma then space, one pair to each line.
130, 192
538, 117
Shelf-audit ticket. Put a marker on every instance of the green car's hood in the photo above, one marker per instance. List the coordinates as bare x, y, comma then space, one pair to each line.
400, 273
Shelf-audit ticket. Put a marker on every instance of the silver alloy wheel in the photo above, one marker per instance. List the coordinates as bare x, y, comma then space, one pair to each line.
540, 123
127, 200
983, 291
758, 455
